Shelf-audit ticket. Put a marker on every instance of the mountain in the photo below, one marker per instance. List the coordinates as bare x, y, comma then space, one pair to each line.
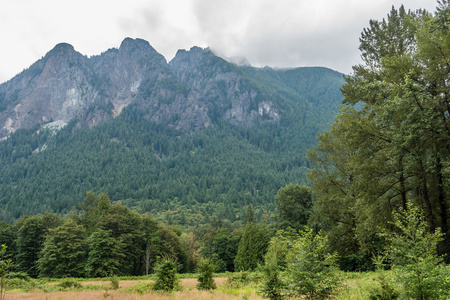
184, 140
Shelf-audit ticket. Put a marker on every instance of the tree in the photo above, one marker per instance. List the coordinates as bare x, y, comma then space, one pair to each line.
412, 249
30, 240
6, 265
273, 287
93, 208
294, 205
221, 247
390, 144
8, 237
126, 228
249, 215
252, 247
205, 275
63, 252
311, 269
166, 276
279, 246
104, 257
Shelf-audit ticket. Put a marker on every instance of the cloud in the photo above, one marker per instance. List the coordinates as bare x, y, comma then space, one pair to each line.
287, 33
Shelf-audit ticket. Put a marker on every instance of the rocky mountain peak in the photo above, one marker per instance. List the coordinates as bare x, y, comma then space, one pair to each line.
62, 48
195, 90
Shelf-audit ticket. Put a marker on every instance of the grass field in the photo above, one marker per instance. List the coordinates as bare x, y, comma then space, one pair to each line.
131, 289
354, 286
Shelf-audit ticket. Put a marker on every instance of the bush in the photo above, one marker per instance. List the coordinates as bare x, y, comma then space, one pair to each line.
205, 277
166, 276
385, 291
114, 282
239, 279
311, 270
412, 250
272, 287
69, 283
356, 263
19, 275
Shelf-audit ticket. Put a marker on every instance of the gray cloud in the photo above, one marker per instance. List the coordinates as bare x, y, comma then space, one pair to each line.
286, 33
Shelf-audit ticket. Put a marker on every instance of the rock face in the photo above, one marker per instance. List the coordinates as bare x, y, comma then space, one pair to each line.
195, 90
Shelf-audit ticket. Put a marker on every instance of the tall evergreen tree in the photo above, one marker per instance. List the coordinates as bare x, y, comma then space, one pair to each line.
252, 247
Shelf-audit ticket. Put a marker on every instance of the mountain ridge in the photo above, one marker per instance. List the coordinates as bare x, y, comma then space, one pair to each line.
196, 134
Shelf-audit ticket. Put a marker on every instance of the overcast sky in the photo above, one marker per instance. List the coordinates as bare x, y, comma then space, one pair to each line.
276, 33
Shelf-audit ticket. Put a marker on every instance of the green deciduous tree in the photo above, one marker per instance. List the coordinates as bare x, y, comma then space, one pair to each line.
390, 144
63, 252
30, 241
104, 257
294, 205
6, 265
221, 246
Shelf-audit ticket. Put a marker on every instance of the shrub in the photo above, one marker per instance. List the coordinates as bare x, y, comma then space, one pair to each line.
69, 283
205, 277
166, 276
385, 291
412, 250
311, 270
272, 287
114, 282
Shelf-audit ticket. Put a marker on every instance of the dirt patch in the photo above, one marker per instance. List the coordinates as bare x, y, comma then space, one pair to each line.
189, 284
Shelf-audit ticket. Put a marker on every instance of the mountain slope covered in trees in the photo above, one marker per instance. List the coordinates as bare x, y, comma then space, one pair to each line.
185, 140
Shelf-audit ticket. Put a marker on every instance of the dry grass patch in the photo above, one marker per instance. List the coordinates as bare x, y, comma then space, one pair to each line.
189, 292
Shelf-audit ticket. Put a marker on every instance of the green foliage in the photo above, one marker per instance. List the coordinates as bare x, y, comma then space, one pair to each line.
114, 282
221, 247
278, 248
63, 251
311, 270
6, 265
30, 241
205, 275
294, 205
385, 291
252, 247
243, 278
390, 142
166, 276
412, 251
359, 262
7, 237
272, 287
69, 283
104, 254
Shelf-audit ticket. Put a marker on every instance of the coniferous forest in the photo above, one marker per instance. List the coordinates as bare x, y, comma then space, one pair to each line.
294, 208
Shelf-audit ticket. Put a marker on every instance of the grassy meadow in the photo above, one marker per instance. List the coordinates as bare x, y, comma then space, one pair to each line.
354, 286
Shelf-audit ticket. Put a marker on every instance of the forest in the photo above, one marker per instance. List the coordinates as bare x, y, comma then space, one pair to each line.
376, 200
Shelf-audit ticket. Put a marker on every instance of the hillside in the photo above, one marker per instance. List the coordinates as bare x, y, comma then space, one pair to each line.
184, 140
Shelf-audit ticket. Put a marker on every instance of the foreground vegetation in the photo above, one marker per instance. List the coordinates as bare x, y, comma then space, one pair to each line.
355, 285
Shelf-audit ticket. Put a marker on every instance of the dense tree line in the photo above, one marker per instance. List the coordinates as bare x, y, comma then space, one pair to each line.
390, 142
102, 239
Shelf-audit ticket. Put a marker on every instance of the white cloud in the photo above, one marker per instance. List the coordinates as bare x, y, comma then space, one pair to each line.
283, 33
